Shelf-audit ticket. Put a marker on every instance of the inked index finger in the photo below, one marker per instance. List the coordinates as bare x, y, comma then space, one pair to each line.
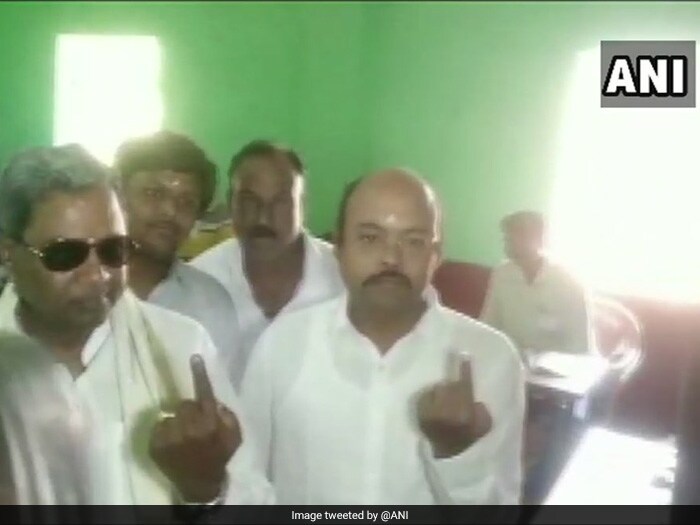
465, 380
203, 391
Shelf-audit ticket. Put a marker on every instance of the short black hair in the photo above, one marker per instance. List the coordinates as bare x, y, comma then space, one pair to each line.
166, 150
266, 148
532, 221
348, 192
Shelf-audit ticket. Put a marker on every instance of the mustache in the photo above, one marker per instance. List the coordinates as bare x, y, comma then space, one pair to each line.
97, 298
260, 231
387, 274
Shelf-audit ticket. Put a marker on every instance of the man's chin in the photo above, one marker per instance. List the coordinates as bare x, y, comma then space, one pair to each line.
263, 247
91, 313
261, 242
89, 319
390, 298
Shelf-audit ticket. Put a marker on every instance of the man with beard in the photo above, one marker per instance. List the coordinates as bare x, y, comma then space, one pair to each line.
274, 266
165, 432
167, 183
369, 398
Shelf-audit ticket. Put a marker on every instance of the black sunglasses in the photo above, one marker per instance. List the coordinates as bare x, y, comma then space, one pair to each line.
63, 255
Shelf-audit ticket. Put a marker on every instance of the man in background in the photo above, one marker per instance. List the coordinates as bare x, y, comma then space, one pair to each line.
273, 266
167, 182
543, 309
532, 299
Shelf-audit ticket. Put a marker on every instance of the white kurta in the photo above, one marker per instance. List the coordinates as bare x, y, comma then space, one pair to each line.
194, 293
320, 281
549, 314
45, 429
99, 388
335, 420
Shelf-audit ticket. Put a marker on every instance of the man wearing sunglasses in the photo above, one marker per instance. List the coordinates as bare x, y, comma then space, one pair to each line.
167, 420
167, 182
274, 266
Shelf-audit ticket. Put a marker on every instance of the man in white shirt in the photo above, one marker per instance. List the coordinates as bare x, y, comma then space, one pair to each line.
167, 182
532, 299
165, 434
39, 415
363, 399
273, 266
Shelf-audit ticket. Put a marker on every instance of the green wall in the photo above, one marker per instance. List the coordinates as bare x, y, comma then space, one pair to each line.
469, 94
230, 71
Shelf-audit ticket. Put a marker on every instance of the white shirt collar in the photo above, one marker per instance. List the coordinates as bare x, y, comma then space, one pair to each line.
311, 266
174, 274
542, 274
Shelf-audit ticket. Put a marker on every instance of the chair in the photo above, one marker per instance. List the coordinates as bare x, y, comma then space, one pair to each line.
619, 339
204, 238
462, 286
212, 228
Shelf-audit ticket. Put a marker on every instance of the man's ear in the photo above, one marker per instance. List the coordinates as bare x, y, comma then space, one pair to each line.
231, 208
301, 188
438, 254
229, 197
5, 245
337, 243
6, 249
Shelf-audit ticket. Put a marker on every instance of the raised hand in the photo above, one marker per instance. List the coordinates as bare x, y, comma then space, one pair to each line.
449, 416
193, 446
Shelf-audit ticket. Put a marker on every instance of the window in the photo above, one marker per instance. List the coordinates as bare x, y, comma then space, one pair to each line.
107, 88
624, 213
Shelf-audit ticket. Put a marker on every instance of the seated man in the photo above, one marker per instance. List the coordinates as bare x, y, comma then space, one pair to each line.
542, 308
533, 300
165, 433
362, 399
166, 183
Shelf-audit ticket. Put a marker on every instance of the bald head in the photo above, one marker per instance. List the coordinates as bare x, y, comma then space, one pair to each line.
400, 185
389, 237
